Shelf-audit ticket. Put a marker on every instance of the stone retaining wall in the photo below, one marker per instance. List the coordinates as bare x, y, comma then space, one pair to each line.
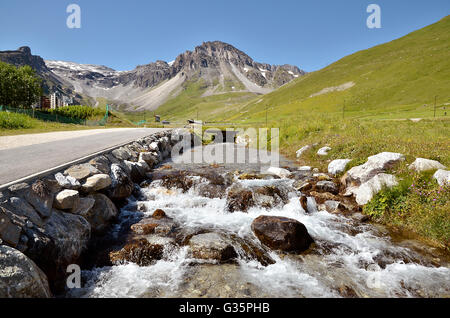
49, 222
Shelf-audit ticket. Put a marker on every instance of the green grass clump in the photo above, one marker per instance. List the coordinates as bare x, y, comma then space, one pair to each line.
418, 204
15, 121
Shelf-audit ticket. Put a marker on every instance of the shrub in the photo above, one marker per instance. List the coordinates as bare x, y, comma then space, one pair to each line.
15, 121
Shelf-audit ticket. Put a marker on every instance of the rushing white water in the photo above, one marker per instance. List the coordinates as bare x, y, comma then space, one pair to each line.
348, 256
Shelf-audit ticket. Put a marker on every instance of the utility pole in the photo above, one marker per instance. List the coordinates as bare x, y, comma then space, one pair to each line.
197, 113
435, 99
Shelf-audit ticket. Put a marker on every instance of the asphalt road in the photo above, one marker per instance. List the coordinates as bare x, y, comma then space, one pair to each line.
20, 159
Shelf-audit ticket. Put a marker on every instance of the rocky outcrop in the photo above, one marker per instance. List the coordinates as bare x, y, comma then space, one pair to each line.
20, 277
368, 179
374, 165
280, 233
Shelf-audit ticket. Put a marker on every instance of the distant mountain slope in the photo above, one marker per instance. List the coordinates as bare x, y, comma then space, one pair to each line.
219, 66
23, 56
403, 75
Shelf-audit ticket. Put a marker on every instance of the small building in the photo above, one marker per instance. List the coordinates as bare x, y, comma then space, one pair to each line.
44, 102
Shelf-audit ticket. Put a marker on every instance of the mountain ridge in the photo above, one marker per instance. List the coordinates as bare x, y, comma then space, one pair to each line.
221, 66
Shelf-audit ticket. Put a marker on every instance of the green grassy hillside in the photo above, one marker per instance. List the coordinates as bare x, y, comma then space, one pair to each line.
398, 79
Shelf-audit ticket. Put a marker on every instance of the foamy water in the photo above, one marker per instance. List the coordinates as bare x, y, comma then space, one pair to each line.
347, 256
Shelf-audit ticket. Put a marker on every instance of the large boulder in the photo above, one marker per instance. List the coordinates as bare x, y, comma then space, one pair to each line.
338, 166
366, 191
442, 177
82, 171
421, 164
102, 213
39, 195
150, 158
70, 234
20, 277
280, 233
374, 165
96, 183
67, 200
122, 153
101, 163
138, 170
212, 246
86, 204
122, 186
23, 208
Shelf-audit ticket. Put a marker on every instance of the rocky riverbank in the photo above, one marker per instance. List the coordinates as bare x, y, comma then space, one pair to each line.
50, 223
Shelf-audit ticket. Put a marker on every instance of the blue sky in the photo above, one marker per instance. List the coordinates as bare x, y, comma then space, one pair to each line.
123, 34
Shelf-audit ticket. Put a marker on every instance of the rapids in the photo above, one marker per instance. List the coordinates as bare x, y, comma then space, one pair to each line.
349, 258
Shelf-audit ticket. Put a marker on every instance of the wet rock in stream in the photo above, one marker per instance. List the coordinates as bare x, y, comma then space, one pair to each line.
281, 233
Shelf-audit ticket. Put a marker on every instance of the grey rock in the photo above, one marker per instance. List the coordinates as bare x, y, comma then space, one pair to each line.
323, 151
23, 208
327, 186
212, 246
85, 206
302, 150
82, 171
101, 163
9, 232
67, 182
333, 206
442, 177
101, 215
20, 277
149, 157
360, 217
67, 200
374, 165
39, 195
121, 153
70, 235
338, 166
122, 186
